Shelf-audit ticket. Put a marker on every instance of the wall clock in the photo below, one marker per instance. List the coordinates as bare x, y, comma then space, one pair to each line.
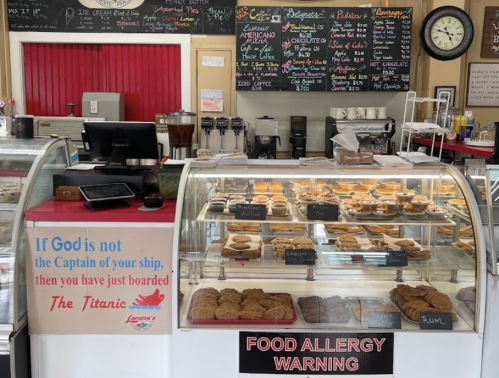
446, 33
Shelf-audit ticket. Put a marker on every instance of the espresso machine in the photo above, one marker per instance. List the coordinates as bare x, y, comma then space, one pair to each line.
298, 138
373, 134
266, 137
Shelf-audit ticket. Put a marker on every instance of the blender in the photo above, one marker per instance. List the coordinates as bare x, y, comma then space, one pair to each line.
181, 126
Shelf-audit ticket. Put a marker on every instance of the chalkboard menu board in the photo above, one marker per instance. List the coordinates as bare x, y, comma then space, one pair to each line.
390, 61
258, 55
348, 49
304, 49
121, 16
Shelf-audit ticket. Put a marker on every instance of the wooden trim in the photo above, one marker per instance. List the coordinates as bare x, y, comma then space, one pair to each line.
5, 83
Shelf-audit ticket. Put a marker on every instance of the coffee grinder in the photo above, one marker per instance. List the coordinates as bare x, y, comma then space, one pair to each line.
266, 137
207, 126
237, 125
298, 138
222, 124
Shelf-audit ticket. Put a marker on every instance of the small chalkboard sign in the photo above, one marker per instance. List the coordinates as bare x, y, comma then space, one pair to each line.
433, 320
251, 212
379, 319
327, 212
396, 258
299, 257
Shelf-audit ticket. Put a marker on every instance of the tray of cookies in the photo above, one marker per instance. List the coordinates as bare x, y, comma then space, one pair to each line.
246, 227
248, 307
412, 301
324, 311
381, 229
350, 243
242, 246
288, 229
467, 246
362, 306
280, 245
447, 232
414, 249
336, 229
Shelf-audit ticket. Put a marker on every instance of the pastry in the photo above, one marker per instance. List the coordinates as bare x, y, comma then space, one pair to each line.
227, 313
250, 315
279, 313
229, 291
281, 241
247, 292
239, 246
302, 240
241, 239
203, 313
229, 298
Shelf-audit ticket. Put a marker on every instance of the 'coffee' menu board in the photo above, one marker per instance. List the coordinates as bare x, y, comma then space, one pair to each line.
123, 16
390, 61
258, 55
348, 69
304, 49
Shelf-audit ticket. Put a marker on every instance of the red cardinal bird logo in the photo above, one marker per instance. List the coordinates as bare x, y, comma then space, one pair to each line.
148, 302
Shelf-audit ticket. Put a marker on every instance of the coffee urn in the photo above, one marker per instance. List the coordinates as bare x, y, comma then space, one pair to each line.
181, 126
298, 138
266, 137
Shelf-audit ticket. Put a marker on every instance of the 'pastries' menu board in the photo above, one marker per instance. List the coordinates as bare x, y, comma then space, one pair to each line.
304, 49
258, 55
123, 16
348, 49
390, 61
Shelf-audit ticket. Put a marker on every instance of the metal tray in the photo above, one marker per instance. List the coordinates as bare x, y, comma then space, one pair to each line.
246, 322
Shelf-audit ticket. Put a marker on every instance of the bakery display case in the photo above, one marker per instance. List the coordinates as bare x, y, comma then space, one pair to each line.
26, 169
290, 248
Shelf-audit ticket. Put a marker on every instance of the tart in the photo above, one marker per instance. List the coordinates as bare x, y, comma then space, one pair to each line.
420, 205
350, 186
392, 185
368, 205
361, 191
393, 205
385, 191
363, 197
457, 202
369, 185
349, 202
404, 196
387, 198
342, 191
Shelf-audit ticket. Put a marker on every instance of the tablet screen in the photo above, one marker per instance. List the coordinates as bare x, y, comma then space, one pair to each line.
108, 191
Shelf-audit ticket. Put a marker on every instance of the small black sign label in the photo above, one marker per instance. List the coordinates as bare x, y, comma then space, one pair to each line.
299, 257
251, 212
379, 319
396, 258
327, 212
433, 320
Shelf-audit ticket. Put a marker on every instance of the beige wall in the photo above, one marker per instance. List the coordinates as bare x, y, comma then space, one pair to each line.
477, 11
5, 90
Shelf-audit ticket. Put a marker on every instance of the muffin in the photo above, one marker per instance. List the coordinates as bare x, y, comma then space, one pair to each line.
233, 204
279, 209
217, 206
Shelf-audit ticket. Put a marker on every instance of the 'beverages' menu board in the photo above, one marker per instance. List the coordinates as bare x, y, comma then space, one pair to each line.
258, 55
123, 16
390, 61
325, 49
304, 49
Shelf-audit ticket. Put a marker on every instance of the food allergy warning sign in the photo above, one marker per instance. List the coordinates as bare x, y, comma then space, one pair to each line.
315, 354
99, 281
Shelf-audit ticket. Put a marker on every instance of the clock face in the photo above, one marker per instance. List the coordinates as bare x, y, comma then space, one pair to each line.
447, 33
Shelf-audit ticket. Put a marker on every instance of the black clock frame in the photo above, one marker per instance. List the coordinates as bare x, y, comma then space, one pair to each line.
434, 16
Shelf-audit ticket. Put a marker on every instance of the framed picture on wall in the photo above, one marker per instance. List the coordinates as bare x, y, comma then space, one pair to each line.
483, 84
490, 36
452, 92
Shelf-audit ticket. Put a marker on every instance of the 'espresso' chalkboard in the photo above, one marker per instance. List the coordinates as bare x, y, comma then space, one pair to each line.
258, 45
304, 49
131, 16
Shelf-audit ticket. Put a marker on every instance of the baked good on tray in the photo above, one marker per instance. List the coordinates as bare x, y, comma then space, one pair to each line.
246, 246
324, 310
280, 245
244, 227
361, 311
416, 300
230, 304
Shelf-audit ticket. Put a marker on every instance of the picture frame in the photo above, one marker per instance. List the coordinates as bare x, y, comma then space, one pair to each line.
447, 88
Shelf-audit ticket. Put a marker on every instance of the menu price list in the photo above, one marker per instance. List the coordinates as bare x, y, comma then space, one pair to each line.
154, 16
348, 49
390, 49
258, 55
304, 49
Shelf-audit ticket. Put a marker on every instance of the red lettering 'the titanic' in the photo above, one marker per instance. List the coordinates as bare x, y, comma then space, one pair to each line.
91, 302
60, 302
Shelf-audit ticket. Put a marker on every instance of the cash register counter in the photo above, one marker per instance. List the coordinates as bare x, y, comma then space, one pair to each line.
99, 290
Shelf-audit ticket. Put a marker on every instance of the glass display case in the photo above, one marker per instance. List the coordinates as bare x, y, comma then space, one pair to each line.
484, 182
26, 170
392, 240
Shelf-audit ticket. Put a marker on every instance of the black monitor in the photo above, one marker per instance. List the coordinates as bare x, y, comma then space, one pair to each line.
114, 142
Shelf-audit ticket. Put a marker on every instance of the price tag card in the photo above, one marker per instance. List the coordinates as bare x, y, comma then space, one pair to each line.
299, 257
378, 319
326, 212
251, 212
433, 320
396, 258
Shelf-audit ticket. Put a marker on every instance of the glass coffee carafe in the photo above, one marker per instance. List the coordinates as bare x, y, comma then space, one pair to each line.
484, 135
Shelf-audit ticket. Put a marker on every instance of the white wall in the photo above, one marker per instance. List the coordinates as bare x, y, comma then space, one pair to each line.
315, 106
17, 55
